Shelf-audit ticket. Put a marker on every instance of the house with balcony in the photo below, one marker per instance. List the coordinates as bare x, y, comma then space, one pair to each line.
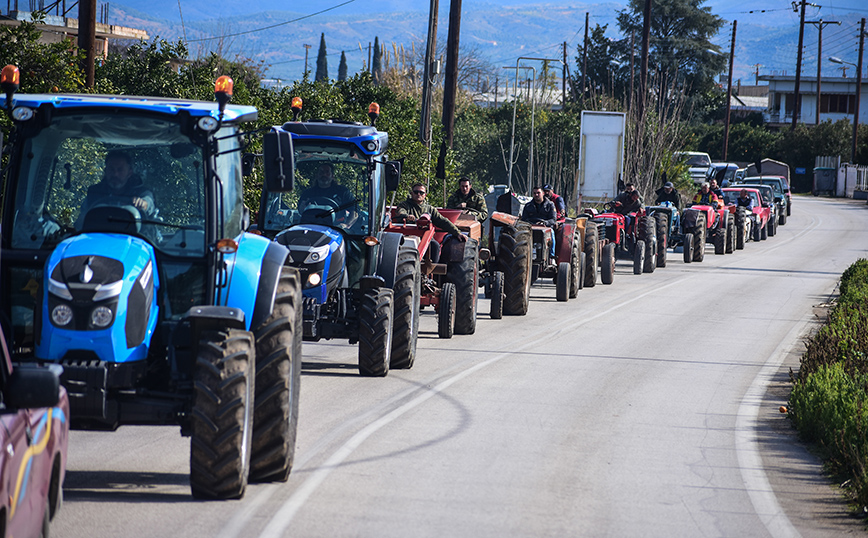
837, 99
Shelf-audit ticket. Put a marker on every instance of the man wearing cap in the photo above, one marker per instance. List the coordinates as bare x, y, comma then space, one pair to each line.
668, 193
468, 199
560, 205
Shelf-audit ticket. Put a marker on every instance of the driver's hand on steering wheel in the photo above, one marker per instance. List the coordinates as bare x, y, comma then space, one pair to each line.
140, 203
460, 237
410, 219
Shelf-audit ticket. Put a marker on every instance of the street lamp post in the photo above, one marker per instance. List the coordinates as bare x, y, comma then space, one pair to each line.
835, 60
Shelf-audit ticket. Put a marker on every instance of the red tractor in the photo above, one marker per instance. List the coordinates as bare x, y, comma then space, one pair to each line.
749, 224
450, 279
707, 223
636, 240
566, 267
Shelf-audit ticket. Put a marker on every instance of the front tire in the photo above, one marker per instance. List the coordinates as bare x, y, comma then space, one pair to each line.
607, 264
688, 247
699, 239
563, 284
577, 263
278, 377
375, 332
740, 224
406, 295
496, 295
719, 240
222, 414
446, 311
638, 257
730, 235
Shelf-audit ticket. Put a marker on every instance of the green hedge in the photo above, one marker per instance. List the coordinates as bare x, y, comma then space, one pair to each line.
830, 392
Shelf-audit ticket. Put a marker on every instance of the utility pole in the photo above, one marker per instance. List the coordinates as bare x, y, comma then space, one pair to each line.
87, 38
757, 66
729, 93
564, 79
797, 104
632, 63
820, 24
585, 57
858, 91
370, 68
428, 75
450, 89
643, 73
306, 48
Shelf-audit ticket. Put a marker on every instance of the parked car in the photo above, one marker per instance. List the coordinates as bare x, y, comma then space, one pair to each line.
751, 225
781, 190
724, 173
768, 197
34, 413
698, 163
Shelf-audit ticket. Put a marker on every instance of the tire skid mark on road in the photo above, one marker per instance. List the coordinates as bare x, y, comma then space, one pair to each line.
761, 494
279, 524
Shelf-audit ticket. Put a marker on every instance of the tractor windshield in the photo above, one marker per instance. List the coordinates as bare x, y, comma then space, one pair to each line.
331, 188
93, 171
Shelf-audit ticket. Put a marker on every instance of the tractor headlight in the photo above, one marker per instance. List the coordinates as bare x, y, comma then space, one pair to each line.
314, 279
101, 317
61, 315
317, 254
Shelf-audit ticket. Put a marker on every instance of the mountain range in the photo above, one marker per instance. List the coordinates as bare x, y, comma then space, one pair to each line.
276, 32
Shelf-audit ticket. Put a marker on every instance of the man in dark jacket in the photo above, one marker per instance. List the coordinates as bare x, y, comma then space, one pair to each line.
540, 211
560, 205
121, 183
668, 193
468, 199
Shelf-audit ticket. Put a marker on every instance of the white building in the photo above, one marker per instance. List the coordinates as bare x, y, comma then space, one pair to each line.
837, 99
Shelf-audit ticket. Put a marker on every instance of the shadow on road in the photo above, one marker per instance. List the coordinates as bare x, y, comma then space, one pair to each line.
124, 487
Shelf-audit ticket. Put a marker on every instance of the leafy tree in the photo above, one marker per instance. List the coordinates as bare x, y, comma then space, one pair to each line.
377, 62
322, 63
44, 67
603, 69
680, 42
342, 67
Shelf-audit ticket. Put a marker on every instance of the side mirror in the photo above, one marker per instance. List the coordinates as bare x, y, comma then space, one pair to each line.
247, 161
245, 217
32, 387
279, 161
1, 142
393, 174
759, 167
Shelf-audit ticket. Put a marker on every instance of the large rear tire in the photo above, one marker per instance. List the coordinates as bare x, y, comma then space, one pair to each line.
465, 276
496, 295
278, 377
375, 332
222, 414
514, 259
699, 239
406, 293
638, 257
662, 238
446, 311
563, 284
592, 254
607, 264
740, 224
688, 247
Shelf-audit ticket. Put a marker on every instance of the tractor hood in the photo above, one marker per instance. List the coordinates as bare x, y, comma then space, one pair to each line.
319, 252
99, 301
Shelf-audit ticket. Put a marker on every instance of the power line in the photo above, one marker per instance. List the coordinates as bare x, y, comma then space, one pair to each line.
274, 25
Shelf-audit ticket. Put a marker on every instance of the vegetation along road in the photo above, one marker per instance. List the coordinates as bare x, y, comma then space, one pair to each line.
639, 409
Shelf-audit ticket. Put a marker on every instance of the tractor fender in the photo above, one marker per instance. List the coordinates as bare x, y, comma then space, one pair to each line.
387, 262
251, 277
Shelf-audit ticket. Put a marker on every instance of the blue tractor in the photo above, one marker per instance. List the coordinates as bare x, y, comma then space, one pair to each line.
359, 282
127, 262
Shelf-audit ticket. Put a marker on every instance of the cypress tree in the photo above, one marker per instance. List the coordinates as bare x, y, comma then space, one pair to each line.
342, 67
376, 62
322, 63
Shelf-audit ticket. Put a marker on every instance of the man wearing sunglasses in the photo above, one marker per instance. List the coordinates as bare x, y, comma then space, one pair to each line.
415, 206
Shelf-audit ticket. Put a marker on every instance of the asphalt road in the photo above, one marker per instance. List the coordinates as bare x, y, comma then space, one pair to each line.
638, 409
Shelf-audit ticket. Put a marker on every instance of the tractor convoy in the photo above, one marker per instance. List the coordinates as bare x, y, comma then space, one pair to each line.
129, 259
